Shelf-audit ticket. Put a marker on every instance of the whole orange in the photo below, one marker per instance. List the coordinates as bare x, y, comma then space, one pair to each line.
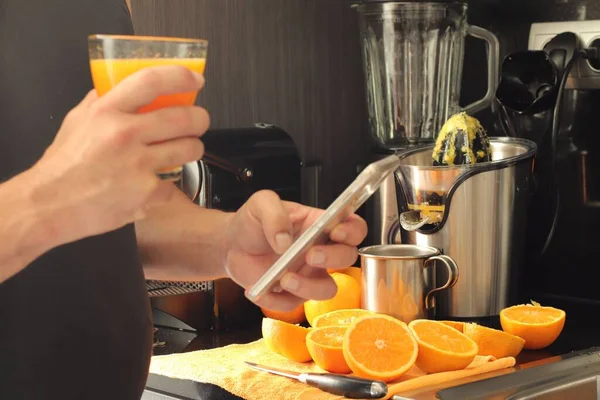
354, 272
347, 296
296, 316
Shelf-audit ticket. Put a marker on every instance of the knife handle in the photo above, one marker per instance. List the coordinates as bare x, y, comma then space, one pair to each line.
347, 386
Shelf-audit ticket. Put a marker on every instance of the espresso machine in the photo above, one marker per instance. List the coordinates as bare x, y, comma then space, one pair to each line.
237, 164
413, 56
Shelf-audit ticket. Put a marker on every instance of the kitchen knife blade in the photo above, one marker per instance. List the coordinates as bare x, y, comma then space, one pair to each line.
348, 386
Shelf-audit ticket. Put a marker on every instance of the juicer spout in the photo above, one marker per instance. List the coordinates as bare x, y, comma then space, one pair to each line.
413, 220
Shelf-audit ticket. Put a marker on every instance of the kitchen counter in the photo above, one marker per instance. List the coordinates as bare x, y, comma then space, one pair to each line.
581, 332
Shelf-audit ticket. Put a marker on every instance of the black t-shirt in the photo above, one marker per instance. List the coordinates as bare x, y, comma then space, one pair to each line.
75, 324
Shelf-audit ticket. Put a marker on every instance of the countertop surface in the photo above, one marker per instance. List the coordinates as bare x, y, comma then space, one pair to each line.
581, 332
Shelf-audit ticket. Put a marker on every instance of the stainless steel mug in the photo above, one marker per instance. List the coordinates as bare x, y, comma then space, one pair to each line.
395, 279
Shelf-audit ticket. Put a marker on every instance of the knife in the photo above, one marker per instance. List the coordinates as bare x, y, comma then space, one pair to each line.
342, 385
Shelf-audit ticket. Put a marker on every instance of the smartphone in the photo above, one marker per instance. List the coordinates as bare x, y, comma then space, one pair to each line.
365, 184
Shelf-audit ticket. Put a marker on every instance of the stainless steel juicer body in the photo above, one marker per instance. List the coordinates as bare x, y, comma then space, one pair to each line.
482, 227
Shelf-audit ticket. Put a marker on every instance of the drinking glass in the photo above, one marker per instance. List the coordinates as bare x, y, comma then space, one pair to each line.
115, 57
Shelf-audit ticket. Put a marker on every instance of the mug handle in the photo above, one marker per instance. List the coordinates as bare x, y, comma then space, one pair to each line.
452, 277
493, 55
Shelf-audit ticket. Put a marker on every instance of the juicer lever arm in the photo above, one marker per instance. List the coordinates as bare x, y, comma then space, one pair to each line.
244, 174
493, 62
195, 175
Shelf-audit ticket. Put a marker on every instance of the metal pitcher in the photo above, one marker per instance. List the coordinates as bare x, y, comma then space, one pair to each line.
394, 280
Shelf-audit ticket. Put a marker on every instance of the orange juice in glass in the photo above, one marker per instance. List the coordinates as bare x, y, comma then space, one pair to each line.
115, 57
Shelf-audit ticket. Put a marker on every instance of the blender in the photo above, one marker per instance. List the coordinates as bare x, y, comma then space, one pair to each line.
412, 60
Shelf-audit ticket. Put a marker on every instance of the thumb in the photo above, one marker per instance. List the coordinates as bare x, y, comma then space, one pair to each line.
268, 209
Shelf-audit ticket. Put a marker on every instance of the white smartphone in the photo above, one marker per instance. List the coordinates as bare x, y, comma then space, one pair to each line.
365, 184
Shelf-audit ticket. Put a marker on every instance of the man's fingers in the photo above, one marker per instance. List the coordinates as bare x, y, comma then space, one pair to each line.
279, 301
254, 267
176, 152
319, 285
141, 88
350, 232
331, 256
171, 123
268, 209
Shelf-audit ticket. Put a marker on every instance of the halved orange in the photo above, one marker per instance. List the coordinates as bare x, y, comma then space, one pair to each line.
459, 326
441, 347
286, 339
340, 317
493, 342
379, 347
296, 316
539, 326
325, 348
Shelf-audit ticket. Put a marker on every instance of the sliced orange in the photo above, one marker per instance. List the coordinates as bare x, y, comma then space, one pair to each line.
296, 316
286, 339
441, 347
340, 317
347, 296
379, 347
459, 326
325, 348
539, 326
493, 342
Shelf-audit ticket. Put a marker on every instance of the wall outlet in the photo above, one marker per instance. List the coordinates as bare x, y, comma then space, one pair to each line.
584, 75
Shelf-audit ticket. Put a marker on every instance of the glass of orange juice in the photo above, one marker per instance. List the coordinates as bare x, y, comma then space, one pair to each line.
115, 57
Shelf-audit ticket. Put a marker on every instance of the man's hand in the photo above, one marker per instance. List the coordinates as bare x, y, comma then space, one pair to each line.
265, 227
99, 173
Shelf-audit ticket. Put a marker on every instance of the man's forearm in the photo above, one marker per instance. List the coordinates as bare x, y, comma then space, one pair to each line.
182, 241
25, 226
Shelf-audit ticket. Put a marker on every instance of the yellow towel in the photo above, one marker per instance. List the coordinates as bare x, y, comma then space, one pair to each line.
225, 367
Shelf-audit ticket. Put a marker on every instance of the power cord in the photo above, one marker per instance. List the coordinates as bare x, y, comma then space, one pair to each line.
592, 54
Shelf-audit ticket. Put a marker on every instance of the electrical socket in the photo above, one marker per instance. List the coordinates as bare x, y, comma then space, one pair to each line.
584, 75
